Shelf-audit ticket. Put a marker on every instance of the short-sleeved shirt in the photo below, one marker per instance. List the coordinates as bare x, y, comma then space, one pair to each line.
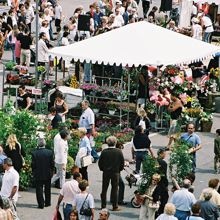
89, 203
10, 179
69, 190
192, 139
87, 119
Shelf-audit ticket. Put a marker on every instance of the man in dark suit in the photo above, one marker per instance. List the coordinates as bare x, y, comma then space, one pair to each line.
111, 162
42, 167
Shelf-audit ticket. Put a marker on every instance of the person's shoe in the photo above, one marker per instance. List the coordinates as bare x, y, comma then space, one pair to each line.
40, 207
122, 203
116, 209
47, 205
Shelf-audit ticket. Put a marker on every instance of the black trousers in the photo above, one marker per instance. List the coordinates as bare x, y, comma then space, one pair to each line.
146, 6
84, 173
43, 186
106, 177
121, 190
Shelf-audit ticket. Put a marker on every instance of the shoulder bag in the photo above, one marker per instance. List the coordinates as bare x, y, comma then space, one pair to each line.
85, 211
154, 205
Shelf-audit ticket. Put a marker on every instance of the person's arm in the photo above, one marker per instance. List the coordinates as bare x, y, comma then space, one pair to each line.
60, 198
13, 191
65, 108
198, 145
151, 152
28, 99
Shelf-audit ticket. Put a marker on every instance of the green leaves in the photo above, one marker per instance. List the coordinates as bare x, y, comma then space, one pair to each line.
180, 160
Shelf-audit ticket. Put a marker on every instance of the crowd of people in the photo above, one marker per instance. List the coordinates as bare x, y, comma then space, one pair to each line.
78, 202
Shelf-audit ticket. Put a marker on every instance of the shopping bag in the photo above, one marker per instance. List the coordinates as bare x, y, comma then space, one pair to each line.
86, 161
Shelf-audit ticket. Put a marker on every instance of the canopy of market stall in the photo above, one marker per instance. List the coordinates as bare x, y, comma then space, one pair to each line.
140, 43
217, 2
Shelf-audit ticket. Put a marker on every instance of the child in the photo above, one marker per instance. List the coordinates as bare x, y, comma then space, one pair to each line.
217, 151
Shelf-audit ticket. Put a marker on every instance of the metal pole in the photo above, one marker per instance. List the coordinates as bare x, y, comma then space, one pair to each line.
56, 69
3, 80
36, 59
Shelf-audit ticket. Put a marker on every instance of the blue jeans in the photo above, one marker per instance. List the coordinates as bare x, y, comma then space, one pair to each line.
67, 208
207, 36
194, 163
140, 155
182, 215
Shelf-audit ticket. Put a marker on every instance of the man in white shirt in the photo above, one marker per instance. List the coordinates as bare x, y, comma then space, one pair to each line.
60, 152
10, 184
67, 194
43, 57
119, 21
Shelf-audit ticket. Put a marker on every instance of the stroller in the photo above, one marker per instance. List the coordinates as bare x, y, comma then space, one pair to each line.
133, 179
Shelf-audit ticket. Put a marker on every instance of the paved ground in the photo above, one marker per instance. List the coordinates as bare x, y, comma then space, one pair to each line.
27, 206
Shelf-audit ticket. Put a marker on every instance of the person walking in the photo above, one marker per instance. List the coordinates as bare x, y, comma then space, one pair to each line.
10, 185
42, 166
84, 200
15, 151
68, 193
60, 152
111, 171
23, 99
43, 57
194, 142
196, 213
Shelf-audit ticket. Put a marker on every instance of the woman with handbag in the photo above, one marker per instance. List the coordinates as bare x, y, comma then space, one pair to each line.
14, 151
84, 153
151, 203
84, 202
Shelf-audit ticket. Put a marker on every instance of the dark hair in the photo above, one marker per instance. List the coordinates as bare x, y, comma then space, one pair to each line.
138, 129
196, 208
59, 95
65, 34
8, 161
53, 109
63, 134
83, 184
76, 175
191, 177
213, 183
22, 87
218, 131
41, 34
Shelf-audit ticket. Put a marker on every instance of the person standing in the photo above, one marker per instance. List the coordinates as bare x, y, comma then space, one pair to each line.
141, 145
84, 150
111, 171
15, 151
183, 200
146, 7
87, 120
55, 118
161, 153
61, 106
209, 210
217, 151
194, 142
42, 166
58, 15
23, 98
60, 152
10, 185
68, 193
196, 213
43, 56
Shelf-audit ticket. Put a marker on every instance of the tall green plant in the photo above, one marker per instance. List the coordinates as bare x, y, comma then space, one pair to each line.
180, 160
149, 167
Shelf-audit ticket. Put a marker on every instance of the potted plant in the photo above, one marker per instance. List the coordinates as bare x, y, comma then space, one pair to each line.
94, 107
206, 121
111, 106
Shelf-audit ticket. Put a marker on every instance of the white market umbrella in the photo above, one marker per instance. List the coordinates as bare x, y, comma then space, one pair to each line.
140, 43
